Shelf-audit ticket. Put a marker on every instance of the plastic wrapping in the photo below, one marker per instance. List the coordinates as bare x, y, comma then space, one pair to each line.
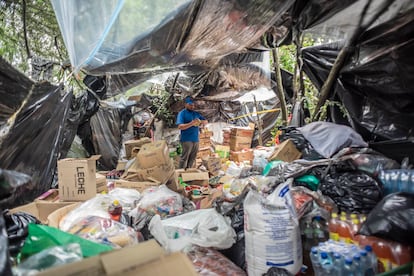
104, 231
42, 237
48, 258
32, 148
98, 206
392, 219
208, 261
303, 145
157, 200
203, 227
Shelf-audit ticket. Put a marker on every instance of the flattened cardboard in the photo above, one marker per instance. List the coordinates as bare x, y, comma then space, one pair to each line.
140, 186
54, 217
194, 176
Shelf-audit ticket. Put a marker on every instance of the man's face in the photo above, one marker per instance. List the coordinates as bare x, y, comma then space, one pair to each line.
189, 106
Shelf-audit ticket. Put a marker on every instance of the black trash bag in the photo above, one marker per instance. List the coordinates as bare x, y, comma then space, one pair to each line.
277, 271
352, 192
392, 219
308, 152
17, 229
5, 265
236, 253
10, 181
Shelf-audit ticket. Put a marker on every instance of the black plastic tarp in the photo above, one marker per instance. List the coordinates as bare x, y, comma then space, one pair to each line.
375, 85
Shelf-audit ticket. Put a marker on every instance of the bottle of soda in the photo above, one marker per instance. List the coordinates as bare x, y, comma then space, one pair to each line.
115, 210
344, 230
333, 227
384, 255
354, 229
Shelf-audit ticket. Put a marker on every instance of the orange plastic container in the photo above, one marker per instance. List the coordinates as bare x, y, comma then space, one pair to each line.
333, 227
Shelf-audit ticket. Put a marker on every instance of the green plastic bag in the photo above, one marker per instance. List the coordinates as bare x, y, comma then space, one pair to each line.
41, 237
310, 180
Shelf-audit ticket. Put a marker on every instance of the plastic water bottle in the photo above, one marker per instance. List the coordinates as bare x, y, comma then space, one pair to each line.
314, 256
366, 265
397, 180
372, 257
349, 268
357, 265
338, 264
326, 264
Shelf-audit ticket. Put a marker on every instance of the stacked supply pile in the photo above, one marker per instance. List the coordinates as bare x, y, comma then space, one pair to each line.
204, 150
240, 143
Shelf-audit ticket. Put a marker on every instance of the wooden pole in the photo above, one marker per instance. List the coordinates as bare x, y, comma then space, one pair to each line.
279, 91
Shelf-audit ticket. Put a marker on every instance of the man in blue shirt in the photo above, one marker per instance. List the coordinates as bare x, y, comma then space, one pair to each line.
188, 122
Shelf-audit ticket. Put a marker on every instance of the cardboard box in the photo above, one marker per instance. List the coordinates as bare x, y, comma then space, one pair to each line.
286, 151
159, 173
130, 144
246, 132
153, 154
193, 176
242, 156
41, 209
56, 216
223, 151
239, 143
51, 195
140, 186
203, 153
205, 134
77, 178
101, 183
213, 164
144, 259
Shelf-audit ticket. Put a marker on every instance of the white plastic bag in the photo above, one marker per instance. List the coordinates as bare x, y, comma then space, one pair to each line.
272, 232
203, 227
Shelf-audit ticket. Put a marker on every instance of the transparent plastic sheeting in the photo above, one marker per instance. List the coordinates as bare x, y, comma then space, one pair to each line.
375, 85
130, 36
34, 141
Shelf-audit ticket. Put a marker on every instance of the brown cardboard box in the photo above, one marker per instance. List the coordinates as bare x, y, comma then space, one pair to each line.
41, 209
203, 153
160, 173
77, 178
130, 144
145, 259
286, 151
140, 186
56, 216
101, 183
193, 176
222, 151
241, 156
153, 154
52, 195
238, 143
213, 164
205, 134
246, 132
207, 201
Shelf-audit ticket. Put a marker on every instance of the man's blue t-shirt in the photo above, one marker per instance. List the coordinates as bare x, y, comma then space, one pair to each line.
185, 116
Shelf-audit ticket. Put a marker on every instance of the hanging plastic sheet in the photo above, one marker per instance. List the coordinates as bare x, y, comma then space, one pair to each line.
106, 136
375, 84
13, 90
127, 36
34, 140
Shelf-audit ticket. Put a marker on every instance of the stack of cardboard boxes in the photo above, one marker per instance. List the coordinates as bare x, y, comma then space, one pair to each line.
240, 143
204, 149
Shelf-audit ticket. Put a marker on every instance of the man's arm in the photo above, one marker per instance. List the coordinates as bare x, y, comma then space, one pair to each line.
186, 126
